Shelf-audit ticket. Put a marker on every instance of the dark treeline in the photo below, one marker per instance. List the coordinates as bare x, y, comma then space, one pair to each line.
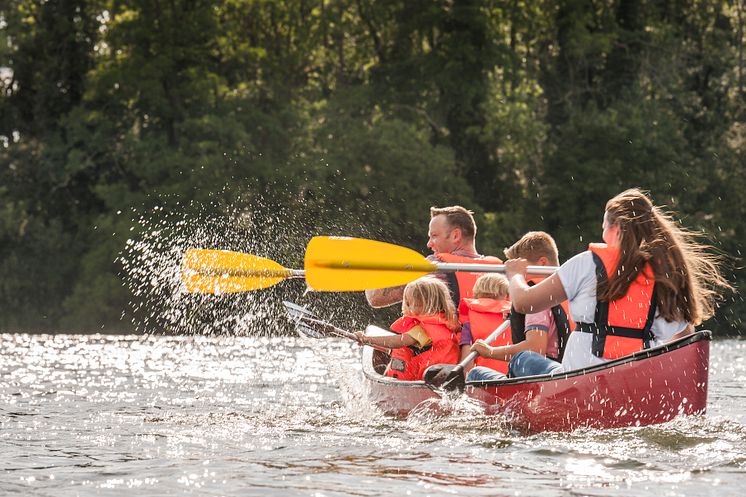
532, 113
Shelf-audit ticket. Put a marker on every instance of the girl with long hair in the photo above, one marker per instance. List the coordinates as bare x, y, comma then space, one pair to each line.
650, 282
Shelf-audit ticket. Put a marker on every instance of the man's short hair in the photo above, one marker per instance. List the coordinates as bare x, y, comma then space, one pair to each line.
533, 246
457, 217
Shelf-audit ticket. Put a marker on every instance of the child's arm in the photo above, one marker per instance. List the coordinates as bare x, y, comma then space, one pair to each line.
392, 342
536, 340
465, 343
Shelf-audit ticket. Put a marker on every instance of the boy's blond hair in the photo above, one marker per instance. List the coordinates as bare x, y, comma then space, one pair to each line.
429, 296
491, 286
533, 246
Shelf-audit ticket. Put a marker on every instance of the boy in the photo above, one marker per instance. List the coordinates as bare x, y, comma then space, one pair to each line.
542, 332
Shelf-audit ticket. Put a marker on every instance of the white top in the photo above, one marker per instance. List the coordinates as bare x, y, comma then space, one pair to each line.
578, 277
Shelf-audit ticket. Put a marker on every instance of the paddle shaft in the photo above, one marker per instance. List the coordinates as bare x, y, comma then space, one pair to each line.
443, 267
452, 267
473, 355
343, 333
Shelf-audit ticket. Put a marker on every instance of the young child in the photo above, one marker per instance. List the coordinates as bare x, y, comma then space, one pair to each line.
483, 314
427, 331
542, 332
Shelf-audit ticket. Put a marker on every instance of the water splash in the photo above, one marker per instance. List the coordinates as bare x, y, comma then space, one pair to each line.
151, 268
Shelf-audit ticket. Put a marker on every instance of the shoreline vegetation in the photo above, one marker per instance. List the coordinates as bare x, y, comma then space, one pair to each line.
130, 130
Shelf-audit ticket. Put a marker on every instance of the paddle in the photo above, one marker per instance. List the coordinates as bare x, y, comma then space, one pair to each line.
451, 376
222, 271
343, 264
332, 264
310, 326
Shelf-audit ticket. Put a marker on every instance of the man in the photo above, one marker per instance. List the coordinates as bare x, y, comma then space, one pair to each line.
451, 237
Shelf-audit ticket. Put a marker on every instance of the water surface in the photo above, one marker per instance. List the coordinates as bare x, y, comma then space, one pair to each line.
105, 415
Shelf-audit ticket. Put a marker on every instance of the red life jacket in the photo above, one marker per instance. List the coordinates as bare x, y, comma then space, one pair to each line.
410, 363
461, 283
561, 315
623, 326
484, 316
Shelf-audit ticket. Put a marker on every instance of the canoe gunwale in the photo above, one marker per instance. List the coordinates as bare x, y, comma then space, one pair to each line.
637, 356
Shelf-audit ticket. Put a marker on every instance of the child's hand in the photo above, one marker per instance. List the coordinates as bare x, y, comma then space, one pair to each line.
481, 348
360, 337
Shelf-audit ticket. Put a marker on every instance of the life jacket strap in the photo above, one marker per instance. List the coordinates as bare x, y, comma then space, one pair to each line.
601, 332
417, 350
453, 287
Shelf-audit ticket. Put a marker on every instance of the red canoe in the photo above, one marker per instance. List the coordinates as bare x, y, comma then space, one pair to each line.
649, 387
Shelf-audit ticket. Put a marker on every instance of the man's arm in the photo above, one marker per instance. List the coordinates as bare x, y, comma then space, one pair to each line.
383, 297
390, 341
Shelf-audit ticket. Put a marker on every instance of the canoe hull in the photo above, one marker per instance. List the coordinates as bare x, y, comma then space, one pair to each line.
650, 387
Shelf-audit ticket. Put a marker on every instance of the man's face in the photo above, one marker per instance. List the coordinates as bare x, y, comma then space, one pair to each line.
441, 237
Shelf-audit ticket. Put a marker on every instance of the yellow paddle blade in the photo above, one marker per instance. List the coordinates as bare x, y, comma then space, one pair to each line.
342, 264
221, 271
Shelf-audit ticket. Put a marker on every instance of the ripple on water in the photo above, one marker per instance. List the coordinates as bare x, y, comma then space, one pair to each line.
269, 416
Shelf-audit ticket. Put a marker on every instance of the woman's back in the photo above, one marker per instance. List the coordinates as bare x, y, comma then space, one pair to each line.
578, 276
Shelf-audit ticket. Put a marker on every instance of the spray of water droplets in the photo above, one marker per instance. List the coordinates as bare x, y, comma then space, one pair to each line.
151, 268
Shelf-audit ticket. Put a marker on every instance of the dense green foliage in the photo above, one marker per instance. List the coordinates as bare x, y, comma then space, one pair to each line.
354, 114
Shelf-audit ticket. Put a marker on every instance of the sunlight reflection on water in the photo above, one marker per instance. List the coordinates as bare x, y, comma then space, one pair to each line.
94, 415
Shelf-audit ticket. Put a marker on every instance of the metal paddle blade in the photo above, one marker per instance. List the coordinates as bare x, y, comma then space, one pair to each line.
303, 319
448, 377
343, 264
222, 271
296, 312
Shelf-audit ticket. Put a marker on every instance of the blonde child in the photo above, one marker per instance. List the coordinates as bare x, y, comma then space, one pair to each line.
542, 332
483, 314
427, 332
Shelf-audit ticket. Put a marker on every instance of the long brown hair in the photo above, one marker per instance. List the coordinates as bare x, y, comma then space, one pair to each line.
429, 296
687, 276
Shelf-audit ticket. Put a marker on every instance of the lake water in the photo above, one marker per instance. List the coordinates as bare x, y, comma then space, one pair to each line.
128, 415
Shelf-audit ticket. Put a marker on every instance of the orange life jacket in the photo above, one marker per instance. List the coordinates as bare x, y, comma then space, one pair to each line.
484, 316
623, 326
461, 283
561, 315
410, 363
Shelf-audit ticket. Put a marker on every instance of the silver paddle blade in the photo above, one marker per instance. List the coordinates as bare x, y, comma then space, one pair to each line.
296, 313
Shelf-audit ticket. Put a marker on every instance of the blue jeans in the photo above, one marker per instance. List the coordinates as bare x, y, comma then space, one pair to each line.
529, 363
481, 373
